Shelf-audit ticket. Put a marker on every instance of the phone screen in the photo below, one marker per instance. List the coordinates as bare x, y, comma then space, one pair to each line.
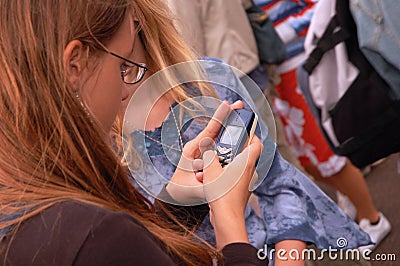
231, 135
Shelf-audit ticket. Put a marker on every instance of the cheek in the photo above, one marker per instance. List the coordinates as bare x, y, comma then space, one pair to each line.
103, 97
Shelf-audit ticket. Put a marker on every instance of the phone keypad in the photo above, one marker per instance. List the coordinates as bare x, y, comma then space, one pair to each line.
224, 155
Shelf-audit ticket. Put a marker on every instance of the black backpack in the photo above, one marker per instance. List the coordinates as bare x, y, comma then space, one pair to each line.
365, 120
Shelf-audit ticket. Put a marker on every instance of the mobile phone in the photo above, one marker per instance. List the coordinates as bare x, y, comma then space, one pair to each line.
237, 129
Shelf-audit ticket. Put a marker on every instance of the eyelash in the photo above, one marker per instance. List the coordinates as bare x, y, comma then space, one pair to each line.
124, 66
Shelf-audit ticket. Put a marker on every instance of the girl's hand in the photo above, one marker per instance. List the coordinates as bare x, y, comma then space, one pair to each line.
184, 187
227, 190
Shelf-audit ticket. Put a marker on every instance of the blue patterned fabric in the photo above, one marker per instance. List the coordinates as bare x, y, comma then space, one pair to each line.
292, 206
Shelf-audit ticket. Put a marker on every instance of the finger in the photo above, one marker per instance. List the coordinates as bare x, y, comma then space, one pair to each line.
198, 165
209, 133
206, 144
256, 148
212, 167
253, 181
219, 183
237, 105
185, 163
215, 124
200, 176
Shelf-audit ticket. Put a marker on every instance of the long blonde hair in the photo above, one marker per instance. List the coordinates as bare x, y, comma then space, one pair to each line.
50, 150
164, 45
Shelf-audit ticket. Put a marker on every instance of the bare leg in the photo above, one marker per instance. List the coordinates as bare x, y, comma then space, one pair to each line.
350, 182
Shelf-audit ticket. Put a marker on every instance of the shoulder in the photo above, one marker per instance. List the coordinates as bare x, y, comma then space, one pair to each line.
83, 234
223, 77
118, 239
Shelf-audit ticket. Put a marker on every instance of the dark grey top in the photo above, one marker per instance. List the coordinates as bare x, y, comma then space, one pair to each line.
74, 233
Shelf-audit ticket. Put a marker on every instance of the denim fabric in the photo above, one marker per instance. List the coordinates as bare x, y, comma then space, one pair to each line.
378, 26
4, 218
260, 76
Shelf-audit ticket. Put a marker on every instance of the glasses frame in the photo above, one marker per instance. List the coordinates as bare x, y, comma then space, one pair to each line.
140, 65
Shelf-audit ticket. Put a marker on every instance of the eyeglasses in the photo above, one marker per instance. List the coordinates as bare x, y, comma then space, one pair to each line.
131, 72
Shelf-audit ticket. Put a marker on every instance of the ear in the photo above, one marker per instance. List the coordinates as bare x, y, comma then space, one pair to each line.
73, 60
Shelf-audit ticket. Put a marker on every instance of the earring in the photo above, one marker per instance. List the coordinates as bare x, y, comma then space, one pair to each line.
78, 97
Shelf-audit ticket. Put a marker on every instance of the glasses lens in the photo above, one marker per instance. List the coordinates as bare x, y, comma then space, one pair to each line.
133, 74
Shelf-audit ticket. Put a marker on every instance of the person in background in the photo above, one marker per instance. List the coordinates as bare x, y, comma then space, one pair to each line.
65, 197
291, 20
236, 46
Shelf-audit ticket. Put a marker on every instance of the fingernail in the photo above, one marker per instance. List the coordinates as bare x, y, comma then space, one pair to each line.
206, 144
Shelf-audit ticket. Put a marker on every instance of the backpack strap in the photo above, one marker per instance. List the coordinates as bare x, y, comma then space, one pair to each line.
328, 40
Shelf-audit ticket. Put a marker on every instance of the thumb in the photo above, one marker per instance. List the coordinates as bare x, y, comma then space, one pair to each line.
212, 168
217, 180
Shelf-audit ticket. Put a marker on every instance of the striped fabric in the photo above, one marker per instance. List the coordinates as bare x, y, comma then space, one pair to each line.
291, 19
